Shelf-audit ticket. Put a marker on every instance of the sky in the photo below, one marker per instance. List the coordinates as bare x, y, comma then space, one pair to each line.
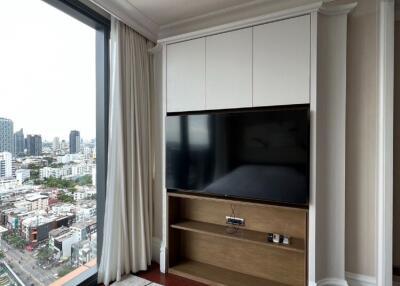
47, 70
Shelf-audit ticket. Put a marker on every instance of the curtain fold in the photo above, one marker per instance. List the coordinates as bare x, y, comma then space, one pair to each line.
128, 212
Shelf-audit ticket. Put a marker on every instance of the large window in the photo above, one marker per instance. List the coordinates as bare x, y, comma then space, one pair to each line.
53, 130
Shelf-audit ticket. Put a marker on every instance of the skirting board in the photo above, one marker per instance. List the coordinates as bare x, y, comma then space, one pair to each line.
332, 282
352, 280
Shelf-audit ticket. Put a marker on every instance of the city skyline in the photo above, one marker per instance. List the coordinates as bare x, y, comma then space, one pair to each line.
47, 139
50, 88
48, 203
65, 137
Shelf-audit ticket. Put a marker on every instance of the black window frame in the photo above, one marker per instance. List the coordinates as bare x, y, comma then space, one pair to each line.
102, 25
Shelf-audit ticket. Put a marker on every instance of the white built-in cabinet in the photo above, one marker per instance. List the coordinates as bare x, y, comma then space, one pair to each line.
264, 65
186, 83
229, 69
281, 62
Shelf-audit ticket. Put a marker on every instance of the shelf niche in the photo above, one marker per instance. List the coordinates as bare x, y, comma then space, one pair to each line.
200, 248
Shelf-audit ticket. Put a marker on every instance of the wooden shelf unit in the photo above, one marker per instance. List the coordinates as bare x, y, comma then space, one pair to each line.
212, 275
242, 234
200, 248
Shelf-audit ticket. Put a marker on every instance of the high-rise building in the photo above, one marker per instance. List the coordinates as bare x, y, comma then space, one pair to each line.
19, 142
5, 165
64, 146
56, 144
74, 142
6, 135
34, 145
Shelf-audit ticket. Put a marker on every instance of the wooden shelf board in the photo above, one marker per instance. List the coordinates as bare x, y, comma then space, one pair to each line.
216, 276
234, 201
297, 245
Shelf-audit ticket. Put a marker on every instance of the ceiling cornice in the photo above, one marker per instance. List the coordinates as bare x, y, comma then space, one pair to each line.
335, 9
256, 8
256, 11
204, 17
124, 11
266, 17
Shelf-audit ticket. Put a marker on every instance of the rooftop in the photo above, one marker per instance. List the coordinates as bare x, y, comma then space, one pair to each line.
35, 197
84, 224
58, 231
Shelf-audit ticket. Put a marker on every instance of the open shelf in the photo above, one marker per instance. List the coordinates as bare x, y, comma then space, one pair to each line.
183, 195
297, 245
212, 275
202, 249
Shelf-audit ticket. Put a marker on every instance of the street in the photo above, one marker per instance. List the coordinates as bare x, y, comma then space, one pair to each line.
24, 265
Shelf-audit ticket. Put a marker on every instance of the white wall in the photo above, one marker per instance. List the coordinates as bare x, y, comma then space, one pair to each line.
361, 141
157, 115
396, 157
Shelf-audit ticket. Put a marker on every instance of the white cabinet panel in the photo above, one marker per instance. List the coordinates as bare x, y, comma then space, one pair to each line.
186, 76
228, 70
281, 62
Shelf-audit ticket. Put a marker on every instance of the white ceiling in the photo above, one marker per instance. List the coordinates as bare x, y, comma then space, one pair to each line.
167, 12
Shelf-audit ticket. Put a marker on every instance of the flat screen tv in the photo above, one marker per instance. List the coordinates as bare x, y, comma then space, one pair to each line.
257, 154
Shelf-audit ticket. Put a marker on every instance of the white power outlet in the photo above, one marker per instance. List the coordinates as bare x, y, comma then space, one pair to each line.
234, 220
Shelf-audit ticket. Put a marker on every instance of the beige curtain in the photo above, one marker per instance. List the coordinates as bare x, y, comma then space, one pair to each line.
128, 214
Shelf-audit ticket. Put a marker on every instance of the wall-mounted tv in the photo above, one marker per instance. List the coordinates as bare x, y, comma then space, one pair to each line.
255, 154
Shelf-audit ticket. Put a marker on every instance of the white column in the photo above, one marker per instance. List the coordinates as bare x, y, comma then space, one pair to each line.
330, 136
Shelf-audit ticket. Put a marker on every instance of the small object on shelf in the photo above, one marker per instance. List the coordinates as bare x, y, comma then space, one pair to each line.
286, 240
278, 238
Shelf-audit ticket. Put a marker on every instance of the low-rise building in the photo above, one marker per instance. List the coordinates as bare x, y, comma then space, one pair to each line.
68, 158
8, 184
83, 251
85, 211
36, 228
62, 208
62, 239
23, 205
87, 229
5, 165
48, 172
38, 201
22, 175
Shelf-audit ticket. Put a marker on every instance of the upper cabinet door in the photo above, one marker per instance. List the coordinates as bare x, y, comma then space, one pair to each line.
228, 70
281, 62
186, 76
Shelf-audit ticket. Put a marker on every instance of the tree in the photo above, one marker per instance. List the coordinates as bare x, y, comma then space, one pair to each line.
37, 182
21, 243
2, 254
65, 270
56, 165
34, 175
14, 239
45, 254
84, 180
53, 182
65, 198
33, 166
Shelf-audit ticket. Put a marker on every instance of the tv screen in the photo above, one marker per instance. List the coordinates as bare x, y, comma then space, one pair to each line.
261, 154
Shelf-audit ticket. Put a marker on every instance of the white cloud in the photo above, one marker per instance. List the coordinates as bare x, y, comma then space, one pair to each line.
47, 70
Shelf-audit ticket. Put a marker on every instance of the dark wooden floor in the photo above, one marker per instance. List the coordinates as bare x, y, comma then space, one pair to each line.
154, 275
